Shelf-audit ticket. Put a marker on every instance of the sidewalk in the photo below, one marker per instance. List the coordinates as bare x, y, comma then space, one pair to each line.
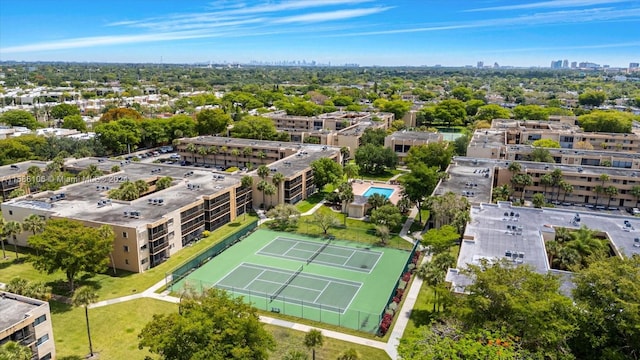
390, 347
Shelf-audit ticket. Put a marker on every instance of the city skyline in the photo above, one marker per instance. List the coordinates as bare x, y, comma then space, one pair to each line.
365, 32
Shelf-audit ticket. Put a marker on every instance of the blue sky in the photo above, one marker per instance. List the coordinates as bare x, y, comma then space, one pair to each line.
368, 32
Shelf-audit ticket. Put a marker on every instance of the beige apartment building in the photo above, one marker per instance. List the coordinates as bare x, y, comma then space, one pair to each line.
27, 321
160, 223
13, 177
402, 141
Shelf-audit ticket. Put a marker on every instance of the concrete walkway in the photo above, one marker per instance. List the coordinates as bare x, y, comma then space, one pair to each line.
390, 347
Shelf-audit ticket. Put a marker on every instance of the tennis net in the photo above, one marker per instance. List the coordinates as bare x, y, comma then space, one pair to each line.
315, 254
289, 280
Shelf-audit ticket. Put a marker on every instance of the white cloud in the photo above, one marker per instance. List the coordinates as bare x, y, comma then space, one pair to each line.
329, 16
549, 5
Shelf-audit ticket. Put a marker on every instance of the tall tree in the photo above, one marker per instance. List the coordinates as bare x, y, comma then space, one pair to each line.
419, 184
212, 121
213, 325
277, 179
246, 182
326, 171
312, 340
70, 246
11, 229
12, 350
437, 154
84, 296
2, 223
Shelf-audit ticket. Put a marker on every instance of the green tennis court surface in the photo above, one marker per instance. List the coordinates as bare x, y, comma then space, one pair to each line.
316, 291
319, 253
344, 283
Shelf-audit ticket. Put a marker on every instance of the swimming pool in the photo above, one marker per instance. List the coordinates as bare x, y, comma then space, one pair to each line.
378, 190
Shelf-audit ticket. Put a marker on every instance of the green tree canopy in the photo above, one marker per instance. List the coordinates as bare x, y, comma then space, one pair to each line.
212, 121
254, 127
592, 98
462, 93
441, 239
530, 112
74, 122
61, 111
326, 171
71, 247
388, 215
374, 159
398, 107
606, 121
19, 118
213, 325
373, 136
436, 154
120, 113
118, 135
451, 112
546, 143
492, 111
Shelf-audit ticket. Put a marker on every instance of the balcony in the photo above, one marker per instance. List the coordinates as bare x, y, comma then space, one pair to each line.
157, 234
157, 246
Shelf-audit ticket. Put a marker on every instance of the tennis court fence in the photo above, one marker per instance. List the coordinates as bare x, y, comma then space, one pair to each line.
196, 261
351, 318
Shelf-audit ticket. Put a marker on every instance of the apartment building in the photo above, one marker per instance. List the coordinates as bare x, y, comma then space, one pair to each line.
147, 230
158, 224
13, 177
27, 321
402, 141
615, 159
519, 235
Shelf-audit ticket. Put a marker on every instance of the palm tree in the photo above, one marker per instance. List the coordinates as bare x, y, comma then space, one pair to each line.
433, 277
141, 186
14, 351
11, 229
566, 188
34, 177
224, 150
312, 340
557, 176
193, 149
351, 170
568, 258
247, 152
84, 296
260, 187
262, 155
2, 223
263, 171
515, 168
553, 247
246, 182
611, 191
236, 153
546, 180
277, 179
91, 172
377, 200
345, 152
349, 354
106, 232
501, 193
203, 151
598, 189
33, 223
345, 193
635, 191
269, 190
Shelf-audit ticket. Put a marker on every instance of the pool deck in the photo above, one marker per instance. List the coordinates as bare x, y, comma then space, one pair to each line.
361, 186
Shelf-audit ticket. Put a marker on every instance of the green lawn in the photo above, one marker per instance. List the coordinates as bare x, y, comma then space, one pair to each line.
355, 230
385, 176
115, 330
124, 283
308, 204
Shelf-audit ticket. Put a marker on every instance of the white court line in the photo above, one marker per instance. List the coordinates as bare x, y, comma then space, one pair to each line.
232, 271
352, 298
270, 242
288, 286
325, 288
349, 258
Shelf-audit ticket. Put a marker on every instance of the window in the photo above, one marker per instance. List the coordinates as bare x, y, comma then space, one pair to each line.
46, 357
144, 247
126, 261
42, 340
170, 222
10, 212
126, 248
124, 234
39, 320
144, 261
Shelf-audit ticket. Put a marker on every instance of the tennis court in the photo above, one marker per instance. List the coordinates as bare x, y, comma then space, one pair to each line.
336, 282
322, 253
316, 291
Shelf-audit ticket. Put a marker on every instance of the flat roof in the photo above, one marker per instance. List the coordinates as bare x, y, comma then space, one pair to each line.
81, 199
14, 309
240, 142
307, 153
415, 135
491, 228
20, 168
487, 137
472, 178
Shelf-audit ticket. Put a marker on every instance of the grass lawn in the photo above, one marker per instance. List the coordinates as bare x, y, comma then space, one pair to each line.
419, 226
124, 283
115, 330
385, 176
288, 339
355, 230
308, 204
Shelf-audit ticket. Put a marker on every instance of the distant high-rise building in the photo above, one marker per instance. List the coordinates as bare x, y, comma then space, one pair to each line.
565, 64
480, 64
556, 64
574, 64
634, 65
496, 65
